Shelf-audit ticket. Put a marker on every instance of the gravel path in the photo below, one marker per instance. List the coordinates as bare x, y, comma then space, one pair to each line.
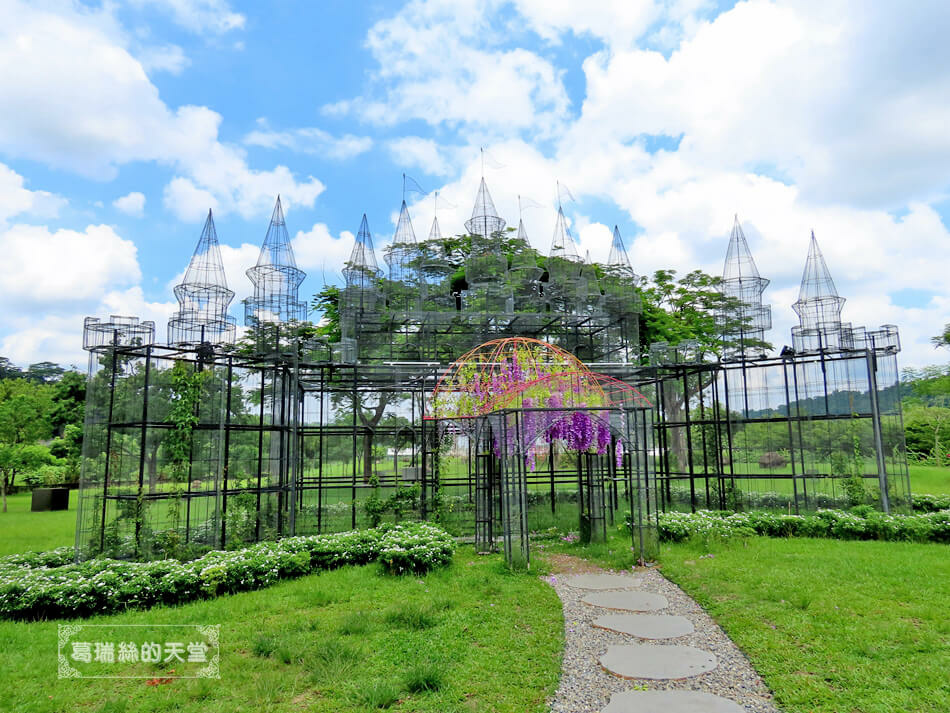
586, 687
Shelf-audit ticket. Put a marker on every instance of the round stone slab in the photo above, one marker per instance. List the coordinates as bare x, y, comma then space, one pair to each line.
670, 702
646, 626
627, 601
656, 662
602, 581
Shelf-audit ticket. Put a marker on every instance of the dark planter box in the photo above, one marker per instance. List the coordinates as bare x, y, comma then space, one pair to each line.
50, 499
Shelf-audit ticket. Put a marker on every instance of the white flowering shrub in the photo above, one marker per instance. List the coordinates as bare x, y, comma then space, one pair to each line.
861, 523
46, 585
414, 548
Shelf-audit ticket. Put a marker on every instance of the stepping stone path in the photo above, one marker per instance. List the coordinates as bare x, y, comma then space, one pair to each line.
650, 661
667, 701
647, 626
627, 601
625, 650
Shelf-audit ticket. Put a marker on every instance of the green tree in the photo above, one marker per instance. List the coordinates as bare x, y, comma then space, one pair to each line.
16, 458
44, 372
9, 370
688, 309
943, 339
927, 431
69, 402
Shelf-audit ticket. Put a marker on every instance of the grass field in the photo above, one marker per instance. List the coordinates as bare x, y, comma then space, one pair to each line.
929, 479
22, 530
342, 641
831, 626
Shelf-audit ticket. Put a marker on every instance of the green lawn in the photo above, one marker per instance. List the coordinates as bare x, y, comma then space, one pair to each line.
335, 642
22, 530
831, 626
929, 479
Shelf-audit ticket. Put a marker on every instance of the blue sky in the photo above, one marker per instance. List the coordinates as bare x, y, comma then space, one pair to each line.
124, 122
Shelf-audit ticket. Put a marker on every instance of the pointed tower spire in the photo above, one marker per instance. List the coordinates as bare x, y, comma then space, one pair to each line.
819, 308
818, 304
522, 233
816, 279
484, 220
746, 321
739, 264
275, 277
435, 233
400, 255
361, 269
562, 245
618, 258
404, 234
203, 296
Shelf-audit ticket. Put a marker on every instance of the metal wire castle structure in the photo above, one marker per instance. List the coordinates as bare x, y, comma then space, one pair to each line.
747, 320
202, 443
203, 297
276, 279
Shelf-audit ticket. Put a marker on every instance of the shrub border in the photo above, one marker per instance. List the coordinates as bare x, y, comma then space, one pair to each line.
47, 585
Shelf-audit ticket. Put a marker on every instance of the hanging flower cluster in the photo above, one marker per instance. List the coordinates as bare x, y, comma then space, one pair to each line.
558, 399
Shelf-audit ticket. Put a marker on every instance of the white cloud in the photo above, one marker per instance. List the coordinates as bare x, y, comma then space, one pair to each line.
309, 140
131, 204
43, 267
56, 336
321, 254
426, 154
435, 64
619, 22
80, 101
214, 16
17, 199
756, 88
166, 58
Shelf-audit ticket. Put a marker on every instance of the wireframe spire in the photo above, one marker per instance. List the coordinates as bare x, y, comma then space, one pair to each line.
618, 257
277, 249
203, 296
435, 233
818, 305
205, 267
362, 267
484, 220
562, 245
739, 264
522, 233
746, 321
404, 234
275, 277
819, 308
816, 279
401, 253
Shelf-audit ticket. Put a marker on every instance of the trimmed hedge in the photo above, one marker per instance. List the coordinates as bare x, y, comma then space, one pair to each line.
47, 585
861, 523
755, 500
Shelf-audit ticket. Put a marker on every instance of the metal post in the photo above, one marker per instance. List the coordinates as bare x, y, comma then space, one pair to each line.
876, 425
143, 438
105, 477
791, 435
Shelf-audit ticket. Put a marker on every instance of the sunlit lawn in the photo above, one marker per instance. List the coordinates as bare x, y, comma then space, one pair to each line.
343, 641
22, 530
